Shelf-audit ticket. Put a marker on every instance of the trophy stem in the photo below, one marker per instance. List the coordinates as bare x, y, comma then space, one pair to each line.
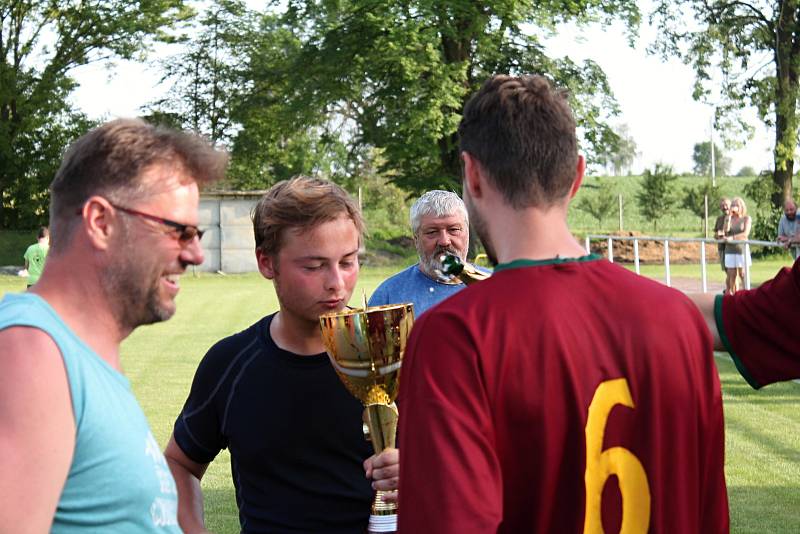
381, 419
384, 515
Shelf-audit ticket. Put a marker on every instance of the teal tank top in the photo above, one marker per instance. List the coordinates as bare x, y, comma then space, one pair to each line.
119, 480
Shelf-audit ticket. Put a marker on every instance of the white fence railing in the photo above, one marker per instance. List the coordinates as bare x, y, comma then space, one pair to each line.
667, 240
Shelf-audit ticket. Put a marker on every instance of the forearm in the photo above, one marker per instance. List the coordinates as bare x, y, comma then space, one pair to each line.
705, 303
187, 474
190, 499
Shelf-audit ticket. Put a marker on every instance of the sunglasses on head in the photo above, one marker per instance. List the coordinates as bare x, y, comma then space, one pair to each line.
186, 232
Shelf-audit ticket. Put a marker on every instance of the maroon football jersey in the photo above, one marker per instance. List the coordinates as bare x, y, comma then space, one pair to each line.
760, 328
562, 396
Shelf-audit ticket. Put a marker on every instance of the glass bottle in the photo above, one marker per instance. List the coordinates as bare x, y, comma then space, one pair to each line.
453, 267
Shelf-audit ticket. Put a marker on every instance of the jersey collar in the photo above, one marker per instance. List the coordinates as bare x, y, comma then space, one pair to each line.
522, 262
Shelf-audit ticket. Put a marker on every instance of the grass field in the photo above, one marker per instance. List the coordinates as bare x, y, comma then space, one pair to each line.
761, 271
762, 428
680, 222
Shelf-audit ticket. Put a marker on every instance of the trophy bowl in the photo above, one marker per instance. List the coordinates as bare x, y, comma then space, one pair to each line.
366, 347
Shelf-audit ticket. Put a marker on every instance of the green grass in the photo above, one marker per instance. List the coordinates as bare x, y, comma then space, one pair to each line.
762, 428
760, 271
762, 456
681, 222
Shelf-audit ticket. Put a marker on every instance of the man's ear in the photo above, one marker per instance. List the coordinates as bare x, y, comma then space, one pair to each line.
473, 175
98, 222
579, 172
266, 264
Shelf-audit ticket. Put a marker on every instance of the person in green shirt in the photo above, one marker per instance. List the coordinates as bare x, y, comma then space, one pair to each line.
35, 256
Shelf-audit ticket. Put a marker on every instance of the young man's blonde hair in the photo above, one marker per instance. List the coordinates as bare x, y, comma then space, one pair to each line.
301, 203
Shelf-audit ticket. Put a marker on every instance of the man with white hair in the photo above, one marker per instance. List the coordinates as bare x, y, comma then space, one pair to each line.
440, 224
788, 227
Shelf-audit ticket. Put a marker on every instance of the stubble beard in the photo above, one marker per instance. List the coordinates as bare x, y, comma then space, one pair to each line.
479, 225
133, 290
430, 264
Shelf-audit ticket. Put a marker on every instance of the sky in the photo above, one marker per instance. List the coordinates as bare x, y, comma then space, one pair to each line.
655, 97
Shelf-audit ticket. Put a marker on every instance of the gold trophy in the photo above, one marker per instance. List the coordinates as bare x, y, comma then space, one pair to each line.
366, 347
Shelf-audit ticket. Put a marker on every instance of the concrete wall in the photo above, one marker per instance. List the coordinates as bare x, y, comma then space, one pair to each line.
228, 244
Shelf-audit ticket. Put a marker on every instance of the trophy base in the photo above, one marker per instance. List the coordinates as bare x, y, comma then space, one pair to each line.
382, 523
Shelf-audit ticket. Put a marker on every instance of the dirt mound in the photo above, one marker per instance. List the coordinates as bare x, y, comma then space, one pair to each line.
653, 251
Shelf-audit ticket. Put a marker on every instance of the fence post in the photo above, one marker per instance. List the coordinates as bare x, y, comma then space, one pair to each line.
636, 255
587, 241
610, 250
703, 266
221, 237
620, 212
666, 262
746, 266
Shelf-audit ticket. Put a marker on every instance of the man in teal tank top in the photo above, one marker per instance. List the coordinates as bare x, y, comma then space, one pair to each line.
76, 451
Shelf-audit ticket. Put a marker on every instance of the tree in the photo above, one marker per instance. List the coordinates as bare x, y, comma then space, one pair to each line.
701, 155
619, 157
746, 171
601, 204
694, 199
206, 75
281, 135
656, 198
229, 83
754, 45
40, 43
764, 215
396, 74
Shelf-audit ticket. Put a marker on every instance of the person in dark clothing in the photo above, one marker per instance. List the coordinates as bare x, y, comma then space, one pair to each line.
270, 395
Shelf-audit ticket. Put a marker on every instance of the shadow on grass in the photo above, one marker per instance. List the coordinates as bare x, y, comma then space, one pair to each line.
773, 509
771, 446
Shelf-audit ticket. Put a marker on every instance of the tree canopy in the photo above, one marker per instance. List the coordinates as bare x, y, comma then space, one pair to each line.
619, 157
324, 85
305, 86
41, 42
701, 155
657, 196
755, 46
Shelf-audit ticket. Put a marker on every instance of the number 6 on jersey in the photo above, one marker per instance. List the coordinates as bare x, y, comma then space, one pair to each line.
619, 461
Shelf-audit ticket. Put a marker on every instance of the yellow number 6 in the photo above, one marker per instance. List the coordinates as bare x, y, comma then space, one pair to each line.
601, 464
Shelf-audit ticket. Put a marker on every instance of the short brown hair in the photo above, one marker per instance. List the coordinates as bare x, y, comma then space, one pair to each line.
522, 132
110, 161
303, 203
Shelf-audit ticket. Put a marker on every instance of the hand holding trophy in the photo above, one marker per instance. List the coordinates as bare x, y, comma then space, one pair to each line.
366, 349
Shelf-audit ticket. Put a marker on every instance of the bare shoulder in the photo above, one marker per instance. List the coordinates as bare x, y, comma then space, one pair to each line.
32, 373
37, 427
26, 349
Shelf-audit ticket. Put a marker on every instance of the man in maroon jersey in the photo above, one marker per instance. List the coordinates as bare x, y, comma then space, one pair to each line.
758, 327
564, 393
